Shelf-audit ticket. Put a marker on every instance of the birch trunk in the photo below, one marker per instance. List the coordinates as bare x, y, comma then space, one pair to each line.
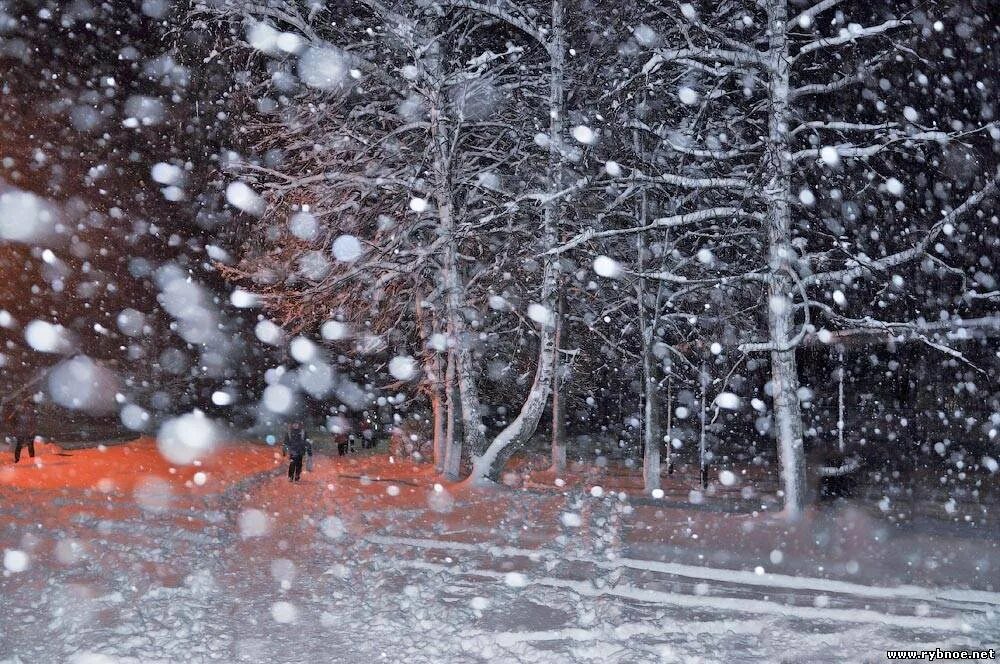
840, 402
471, 410
488, 465
651, 431
558, 399
453, 443
670, 425
433, 369
433, 380
702, 463
650, 391
454, 284
778, 190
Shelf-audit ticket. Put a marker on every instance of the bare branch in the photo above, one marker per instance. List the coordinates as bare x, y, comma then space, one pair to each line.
866, 69
808, 15
865, 266
847, 36
496, 11
662, 222
710, 55
843, 126
783, 345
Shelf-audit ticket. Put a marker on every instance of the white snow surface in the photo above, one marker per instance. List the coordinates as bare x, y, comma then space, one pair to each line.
336, 568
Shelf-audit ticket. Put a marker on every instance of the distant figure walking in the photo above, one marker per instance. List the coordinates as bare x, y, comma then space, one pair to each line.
367, 431
296, 446
24, 428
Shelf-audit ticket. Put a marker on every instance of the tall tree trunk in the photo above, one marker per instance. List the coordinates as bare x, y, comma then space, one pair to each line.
702, 461
436, 387
488, 465
840, 402
778, 190
670, 425
471, 409
440, 430
434, 384
559, 378
650, 389
651, 431
453, 442
454, 284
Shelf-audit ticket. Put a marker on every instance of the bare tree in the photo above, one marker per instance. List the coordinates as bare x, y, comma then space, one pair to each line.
783, 60
761, 148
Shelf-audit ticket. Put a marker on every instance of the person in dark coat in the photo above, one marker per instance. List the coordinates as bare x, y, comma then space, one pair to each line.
7, 415
296, 446
367, 431
24, 430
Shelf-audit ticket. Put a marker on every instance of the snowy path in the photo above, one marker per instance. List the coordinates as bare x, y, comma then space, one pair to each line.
659, 583
257, 571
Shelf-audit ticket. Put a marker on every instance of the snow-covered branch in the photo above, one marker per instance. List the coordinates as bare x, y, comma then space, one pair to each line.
672, 221
865, 266
671, 277
843, 126
845, 150
954, 328
807, 16
868, 329
688, 182
709, 55
701, 152
783, 345
495, 10
848, 35
866, 69
893, 136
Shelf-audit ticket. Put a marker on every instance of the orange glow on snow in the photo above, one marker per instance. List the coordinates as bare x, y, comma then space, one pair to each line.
119, 468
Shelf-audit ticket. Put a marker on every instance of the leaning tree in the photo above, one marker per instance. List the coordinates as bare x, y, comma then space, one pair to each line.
417, 167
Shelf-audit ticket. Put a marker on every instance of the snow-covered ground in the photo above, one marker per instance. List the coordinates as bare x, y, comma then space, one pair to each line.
111, 556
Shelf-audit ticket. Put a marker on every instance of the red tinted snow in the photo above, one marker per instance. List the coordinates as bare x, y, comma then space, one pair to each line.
122, 467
